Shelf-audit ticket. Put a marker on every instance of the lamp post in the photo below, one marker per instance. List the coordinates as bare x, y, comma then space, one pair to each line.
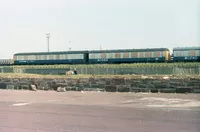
48, 36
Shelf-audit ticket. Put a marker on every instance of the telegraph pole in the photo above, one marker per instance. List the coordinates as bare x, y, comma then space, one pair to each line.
48, 36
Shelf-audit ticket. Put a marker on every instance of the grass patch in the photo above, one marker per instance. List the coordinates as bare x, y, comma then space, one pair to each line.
24, 75
152, 65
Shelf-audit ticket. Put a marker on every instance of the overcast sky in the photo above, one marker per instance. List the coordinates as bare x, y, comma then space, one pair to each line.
89, 24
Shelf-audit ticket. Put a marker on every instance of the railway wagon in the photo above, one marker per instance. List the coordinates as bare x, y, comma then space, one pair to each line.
186, 54
129, 56
48, 58
6, 62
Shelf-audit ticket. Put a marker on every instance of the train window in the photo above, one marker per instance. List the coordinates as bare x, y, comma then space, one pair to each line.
191, 53
152, 54
20, 58
185, 53
103, 55
134, 55
175, 53
91, 56
76, 56
29, 57
197, 53
50, 57
61, 57
121, 55
108, 55
54, 57
144, 55
181, 53
47, 57
126, 55
112, 55
66, 56
141, 54
130, 54
97, 55
42, 57
33, 57
157, 54
147, 54
161, 54
117, 55
26, 57
71, 56
39, 57
138, 54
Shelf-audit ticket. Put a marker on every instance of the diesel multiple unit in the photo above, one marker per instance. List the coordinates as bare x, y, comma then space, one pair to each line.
185, 54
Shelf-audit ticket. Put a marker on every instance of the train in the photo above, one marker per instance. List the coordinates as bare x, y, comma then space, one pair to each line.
148, 55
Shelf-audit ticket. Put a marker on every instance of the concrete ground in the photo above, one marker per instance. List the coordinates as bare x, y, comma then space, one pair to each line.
50, 111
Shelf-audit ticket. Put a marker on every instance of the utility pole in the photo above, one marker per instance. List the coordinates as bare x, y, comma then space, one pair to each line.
48, 36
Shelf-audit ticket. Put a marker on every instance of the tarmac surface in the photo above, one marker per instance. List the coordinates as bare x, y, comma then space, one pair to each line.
50, 111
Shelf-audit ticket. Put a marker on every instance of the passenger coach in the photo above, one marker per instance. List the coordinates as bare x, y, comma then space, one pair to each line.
186, 54
129, 55
41, 58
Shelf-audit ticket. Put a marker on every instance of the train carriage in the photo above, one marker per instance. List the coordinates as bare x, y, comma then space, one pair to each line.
129, 55
185, 54
41, 58
6, 62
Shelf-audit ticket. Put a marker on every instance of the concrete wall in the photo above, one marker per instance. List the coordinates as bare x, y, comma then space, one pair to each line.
140, 84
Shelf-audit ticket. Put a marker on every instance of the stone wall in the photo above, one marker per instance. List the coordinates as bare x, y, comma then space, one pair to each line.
132, 84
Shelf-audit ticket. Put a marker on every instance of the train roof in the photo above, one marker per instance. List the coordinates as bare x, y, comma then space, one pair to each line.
93, 51
56, 52
186, 48
130, 50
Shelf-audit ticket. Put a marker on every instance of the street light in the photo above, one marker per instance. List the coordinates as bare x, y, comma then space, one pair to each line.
48, 36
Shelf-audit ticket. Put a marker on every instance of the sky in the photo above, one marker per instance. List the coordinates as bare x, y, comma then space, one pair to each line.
91, 24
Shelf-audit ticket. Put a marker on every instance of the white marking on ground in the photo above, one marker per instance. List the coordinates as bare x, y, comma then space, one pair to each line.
20, 104
173, 102
164, 99
128, 101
